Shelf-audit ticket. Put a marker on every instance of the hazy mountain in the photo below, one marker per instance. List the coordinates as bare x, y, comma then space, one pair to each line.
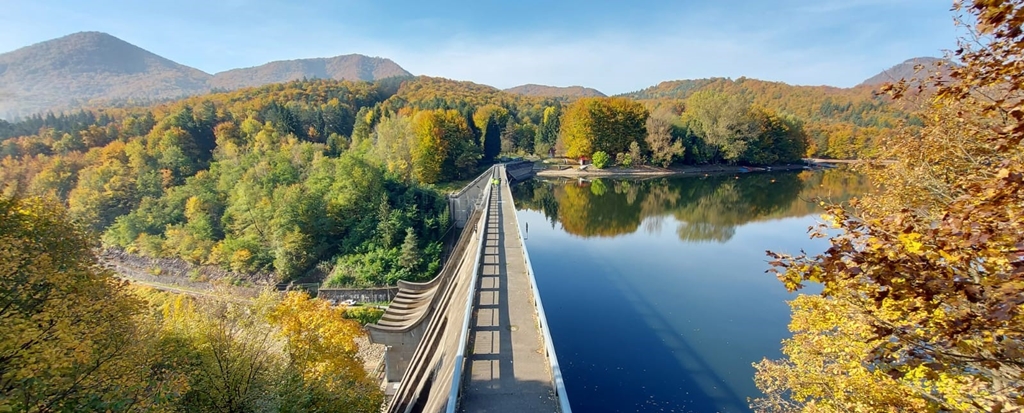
555, 91
93, 69
347, 67
907, 70
81, 67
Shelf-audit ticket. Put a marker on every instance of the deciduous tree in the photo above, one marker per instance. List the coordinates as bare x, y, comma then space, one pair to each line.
663, 146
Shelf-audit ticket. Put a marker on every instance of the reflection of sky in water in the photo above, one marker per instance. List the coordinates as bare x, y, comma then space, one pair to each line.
649, 322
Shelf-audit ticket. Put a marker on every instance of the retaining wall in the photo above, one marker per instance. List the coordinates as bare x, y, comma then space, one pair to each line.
359, 295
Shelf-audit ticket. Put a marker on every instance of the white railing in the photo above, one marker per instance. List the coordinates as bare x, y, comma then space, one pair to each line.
549, 347
542, 319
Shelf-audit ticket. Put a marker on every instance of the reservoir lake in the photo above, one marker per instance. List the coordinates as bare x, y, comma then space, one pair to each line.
655, 290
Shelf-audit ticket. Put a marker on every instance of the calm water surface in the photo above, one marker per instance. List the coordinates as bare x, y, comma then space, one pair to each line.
655, 290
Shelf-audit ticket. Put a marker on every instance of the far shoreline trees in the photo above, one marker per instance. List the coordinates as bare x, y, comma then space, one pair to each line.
714, 128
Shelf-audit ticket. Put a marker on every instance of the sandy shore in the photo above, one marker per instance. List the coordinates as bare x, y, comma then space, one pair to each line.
652, 171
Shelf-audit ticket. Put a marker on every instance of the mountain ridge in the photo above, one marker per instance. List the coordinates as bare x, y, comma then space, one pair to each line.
908, 70
96, 68
342, 67
77, 68
532, 89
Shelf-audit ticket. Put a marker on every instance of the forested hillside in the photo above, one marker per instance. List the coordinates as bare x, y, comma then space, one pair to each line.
73, 70
76, 339
917, 68
254, 180
568, 92
841, 123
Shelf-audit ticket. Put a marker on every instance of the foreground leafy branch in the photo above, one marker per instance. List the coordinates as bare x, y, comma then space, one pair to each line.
923, 301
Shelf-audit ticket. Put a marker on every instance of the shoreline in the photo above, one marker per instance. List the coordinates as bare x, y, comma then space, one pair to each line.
653, 171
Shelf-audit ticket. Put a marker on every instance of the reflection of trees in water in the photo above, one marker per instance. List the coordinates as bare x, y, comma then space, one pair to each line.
537, 195
583, 212
704, 231
708, 208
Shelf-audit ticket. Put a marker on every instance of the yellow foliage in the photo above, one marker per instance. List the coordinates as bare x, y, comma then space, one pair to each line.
69, 337
320, 342
923, 285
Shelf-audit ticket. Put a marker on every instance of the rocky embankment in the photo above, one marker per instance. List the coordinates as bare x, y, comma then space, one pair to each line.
177, 272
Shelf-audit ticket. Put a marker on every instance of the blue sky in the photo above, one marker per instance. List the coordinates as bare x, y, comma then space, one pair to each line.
615, 46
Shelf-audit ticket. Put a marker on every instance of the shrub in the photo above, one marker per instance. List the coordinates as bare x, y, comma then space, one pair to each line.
364, 315
624, 160
636, 157
600, 159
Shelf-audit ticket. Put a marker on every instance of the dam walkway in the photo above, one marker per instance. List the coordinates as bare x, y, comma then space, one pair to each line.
474, 339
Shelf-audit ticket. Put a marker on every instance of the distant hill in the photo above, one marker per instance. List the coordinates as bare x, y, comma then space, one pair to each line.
907, 70
555, 91
96, 69
347, 67
672, 89
75, 69
857, 106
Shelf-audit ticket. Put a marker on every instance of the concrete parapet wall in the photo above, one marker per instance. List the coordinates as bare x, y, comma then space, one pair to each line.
464, 202
359, 295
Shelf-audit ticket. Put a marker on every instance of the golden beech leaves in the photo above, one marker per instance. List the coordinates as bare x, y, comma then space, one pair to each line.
286, 352
320, 342
923, 290
602, 124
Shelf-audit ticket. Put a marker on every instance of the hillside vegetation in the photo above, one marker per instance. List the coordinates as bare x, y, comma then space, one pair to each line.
76, 69
920, 68
77, 339
841, 123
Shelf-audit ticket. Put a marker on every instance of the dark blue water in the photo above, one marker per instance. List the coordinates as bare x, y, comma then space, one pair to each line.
656, 291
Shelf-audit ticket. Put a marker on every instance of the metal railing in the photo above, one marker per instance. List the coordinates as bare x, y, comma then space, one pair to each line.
460, 356
542, 320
